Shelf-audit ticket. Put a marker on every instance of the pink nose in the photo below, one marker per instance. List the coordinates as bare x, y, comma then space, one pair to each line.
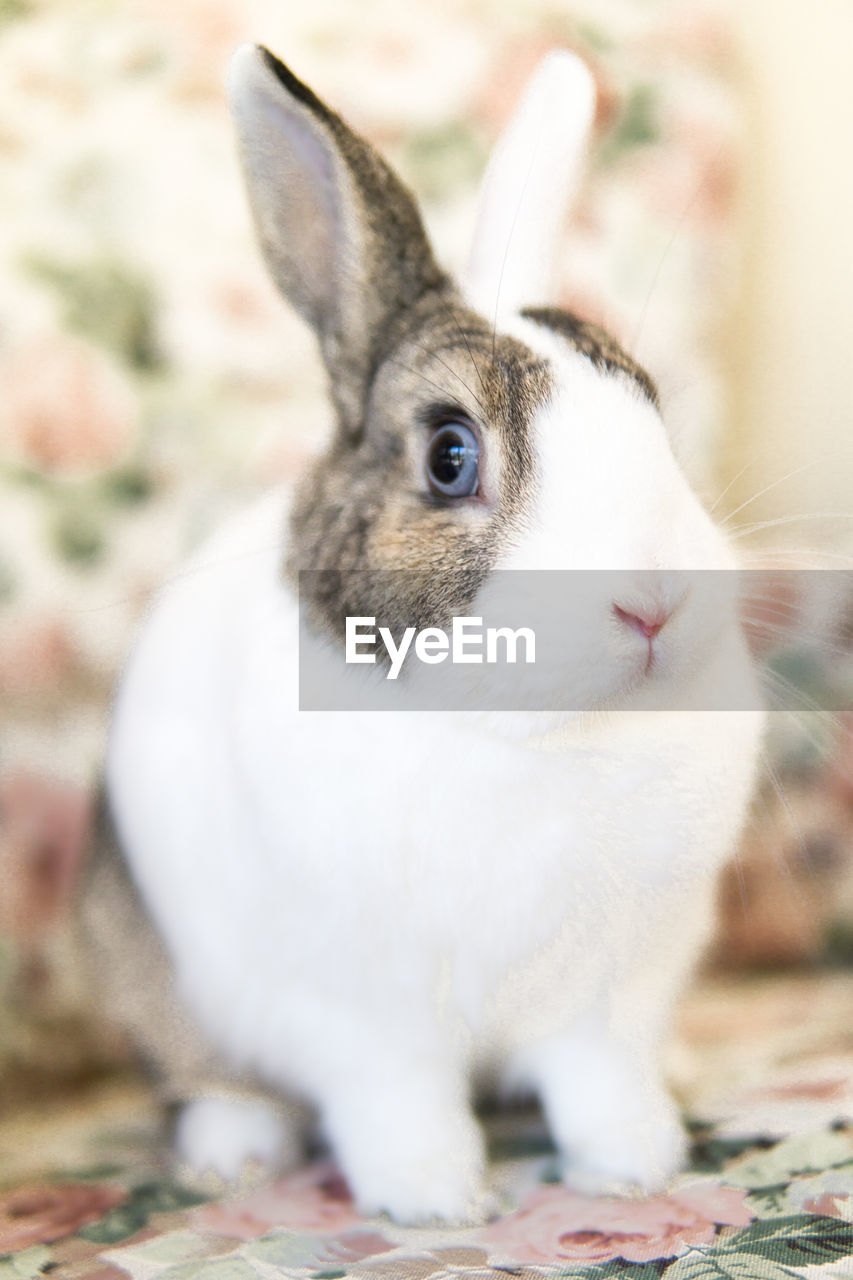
647, 621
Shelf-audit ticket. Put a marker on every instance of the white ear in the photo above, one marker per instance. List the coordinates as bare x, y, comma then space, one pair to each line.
528, 186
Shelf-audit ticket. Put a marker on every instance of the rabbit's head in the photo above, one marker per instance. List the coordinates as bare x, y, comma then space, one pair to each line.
479, 426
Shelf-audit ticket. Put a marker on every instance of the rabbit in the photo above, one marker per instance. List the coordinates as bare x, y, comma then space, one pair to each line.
362, 917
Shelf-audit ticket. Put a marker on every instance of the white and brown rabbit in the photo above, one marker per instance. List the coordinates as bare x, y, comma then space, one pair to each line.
366, 913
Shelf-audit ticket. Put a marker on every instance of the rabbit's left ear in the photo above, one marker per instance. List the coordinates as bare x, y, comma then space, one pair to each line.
340, 233
528, 186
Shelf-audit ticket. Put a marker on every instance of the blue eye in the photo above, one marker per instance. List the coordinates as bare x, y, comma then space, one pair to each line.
453, 461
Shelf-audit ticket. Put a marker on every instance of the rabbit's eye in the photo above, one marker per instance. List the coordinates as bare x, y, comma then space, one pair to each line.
452, 461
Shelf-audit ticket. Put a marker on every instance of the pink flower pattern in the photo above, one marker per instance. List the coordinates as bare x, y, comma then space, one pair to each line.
312, 1199
41, 1213
558, 1225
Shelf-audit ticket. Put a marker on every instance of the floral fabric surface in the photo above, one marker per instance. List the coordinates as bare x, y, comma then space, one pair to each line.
765, 1071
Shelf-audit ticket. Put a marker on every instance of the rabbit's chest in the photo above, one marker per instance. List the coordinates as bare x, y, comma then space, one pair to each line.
441, 852
358, 864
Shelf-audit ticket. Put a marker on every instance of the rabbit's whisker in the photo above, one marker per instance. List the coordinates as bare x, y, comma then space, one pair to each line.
432, 354
676, 231
746, 529
777, 685
463, 335
429, 381
785, 630
176, 576
790, 475
515, 216
756, 457
796, 829
761, 557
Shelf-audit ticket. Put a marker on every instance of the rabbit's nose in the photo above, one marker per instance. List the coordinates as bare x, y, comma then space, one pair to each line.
648, 621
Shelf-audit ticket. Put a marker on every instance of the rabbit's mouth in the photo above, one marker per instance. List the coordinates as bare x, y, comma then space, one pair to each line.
641, 624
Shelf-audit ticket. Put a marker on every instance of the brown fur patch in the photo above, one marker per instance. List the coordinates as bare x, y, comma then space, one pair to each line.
367, 505
404, 354
131, 972
595, 343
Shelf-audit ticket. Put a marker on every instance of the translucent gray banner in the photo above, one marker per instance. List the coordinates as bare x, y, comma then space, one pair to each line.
576, 641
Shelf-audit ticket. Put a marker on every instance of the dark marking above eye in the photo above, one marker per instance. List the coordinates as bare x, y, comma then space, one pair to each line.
595, 343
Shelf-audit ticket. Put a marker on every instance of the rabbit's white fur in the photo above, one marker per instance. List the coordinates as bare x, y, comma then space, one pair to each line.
340, 911
369, 910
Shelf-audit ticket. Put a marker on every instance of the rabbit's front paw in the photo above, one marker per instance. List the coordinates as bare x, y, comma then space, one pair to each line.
634, 1152
225, 1136
440, 1189
616, 1126
420, 1166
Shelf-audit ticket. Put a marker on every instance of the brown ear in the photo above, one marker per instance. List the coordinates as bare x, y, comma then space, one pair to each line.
340, 233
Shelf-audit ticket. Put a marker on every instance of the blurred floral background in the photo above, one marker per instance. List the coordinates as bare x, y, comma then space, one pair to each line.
151, 379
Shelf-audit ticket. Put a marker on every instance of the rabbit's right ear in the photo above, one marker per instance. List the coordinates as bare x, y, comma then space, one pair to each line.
340, 233
528, 187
